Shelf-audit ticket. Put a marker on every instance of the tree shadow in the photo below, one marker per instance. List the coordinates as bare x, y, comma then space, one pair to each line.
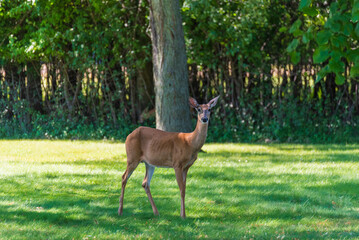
310, 154
218, 199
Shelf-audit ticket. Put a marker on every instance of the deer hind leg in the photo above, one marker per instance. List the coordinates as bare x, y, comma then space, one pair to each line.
129, 170
146, 185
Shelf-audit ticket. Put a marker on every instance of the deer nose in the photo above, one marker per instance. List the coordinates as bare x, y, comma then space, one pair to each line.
205, 119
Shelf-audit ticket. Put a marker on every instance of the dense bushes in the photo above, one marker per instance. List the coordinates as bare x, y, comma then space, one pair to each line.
302, 126
82, 69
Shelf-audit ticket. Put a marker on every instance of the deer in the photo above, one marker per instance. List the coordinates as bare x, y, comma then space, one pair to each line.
157, 148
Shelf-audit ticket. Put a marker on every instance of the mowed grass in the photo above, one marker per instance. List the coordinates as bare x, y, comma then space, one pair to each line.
70, 190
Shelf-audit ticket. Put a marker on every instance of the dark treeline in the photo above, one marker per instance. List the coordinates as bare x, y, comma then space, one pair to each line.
83, 69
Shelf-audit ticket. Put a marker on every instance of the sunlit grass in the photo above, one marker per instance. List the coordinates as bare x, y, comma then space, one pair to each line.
70, 189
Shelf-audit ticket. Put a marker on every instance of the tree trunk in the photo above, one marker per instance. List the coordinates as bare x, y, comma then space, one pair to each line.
2, 85
22, 82
33, 90
296, 81
145, 87
133, 98
169, 66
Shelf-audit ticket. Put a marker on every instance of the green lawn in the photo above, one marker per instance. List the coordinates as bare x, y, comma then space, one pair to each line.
70, 190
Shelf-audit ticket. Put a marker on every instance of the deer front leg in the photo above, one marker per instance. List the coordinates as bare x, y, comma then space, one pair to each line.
181, 176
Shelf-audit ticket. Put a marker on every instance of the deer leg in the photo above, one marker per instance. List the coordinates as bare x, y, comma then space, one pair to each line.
181, 181
129, 170
185, 171
146, 185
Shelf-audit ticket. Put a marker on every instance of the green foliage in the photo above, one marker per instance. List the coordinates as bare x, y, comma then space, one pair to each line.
70, 189
293, 45
22, 122
320, 55
335, 36
285, 70
309, 124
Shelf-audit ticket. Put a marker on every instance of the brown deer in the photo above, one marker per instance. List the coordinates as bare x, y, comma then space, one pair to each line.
158, 148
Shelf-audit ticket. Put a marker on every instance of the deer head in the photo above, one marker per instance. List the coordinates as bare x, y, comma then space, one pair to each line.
203, 110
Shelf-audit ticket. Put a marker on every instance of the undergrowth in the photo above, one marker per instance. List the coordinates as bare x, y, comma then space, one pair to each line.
225, 126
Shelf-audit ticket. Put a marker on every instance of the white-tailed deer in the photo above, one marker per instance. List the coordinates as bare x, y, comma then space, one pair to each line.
158, 148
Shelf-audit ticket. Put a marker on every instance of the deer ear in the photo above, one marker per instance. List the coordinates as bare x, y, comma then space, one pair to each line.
213, 102
193, 102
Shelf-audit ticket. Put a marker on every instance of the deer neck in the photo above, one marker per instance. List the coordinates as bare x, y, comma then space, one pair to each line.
199, 135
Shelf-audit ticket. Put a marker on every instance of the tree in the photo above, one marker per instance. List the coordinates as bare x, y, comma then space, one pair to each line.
169, 66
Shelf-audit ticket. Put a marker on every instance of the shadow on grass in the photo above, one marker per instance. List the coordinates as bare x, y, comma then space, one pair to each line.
309, 155
76, 213
222, 202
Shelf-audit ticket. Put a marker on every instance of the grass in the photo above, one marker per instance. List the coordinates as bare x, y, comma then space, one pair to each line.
70, 190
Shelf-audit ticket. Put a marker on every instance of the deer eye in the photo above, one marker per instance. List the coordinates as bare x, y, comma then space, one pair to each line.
199, 110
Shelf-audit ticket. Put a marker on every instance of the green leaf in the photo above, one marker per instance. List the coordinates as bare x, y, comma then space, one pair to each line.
353, 55
310, 11
304, 4
338, 41
283, 29
336, 66
348, 28
354, 71
293, 45
295, 57
322, 73
333, 7
323, 37
356, 5
296, 25
355, 11
320, 55
355, 16
336, 55
297, 33
305, 38
333, 25
339, 79
357, 30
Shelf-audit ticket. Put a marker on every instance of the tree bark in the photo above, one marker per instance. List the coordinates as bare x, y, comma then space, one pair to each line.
2, 87
169, 66
34, 91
